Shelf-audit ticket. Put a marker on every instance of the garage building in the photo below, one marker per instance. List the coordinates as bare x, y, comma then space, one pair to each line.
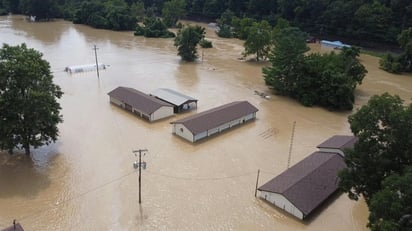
180, 101
213, 121
305, 186
140, 104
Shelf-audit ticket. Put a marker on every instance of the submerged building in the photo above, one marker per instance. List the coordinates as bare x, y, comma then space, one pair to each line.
305, 186
140, 104
213, 121
180, 101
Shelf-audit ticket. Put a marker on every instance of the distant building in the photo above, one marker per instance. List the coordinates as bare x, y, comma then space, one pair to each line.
305, 186
140, 104
333, 44
180, 101
213, 121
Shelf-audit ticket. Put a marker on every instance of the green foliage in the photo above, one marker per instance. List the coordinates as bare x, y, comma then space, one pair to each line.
327, 80
390, 208
29, 111
403, 62
224, 31
259, 40
137, 10
383, 127
112, 14
241, 27
153, 28
204, 43
224, 24
186, 41
390, 64
287, 59
172, 11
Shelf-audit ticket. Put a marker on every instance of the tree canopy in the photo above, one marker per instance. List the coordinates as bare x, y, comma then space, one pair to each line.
172, 11
327, 80
259, 40
390, 208
364, 22
383, 127
186, 41
29, 111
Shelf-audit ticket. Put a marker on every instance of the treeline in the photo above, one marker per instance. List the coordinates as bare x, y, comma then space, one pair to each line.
365, 21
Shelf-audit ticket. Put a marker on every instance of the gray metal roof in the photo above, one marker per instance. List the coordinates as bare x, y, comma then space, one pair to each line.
339, 142
173, 97
310, 182
215, 117
144, 103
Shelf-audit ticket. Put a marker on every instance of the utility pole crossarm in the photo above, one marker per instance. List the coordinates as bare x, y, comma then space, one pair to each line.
139, 165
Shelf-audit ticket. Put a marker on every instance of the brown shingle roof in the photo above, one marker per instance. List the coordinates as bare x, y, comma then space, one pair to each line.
217, 116
339, 142
310, 182
137, 99
16, 227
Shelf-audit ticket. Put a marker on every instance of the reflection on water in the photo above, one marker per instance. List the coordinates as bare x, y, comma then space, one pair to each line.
86, 181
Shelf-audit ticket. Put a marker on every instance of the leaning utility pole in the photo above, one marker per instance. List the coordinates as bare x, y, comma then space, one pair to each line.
97, 64
139, 165
291, 142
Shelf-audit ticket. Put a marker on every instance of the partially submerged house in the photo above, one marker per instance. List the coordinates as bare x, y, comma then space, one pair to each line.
180, 101
337, 144
305, 186
14, 227
141, 104
213, 121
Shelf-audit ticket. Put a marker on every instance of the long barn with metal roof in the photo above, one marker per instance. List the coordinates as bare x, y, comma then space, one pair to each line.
213, 121
141, 104
305, 186
180, 101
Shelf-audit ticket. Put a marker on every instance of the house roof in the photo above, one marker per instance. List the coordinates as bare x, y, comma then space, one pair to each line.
173, 97
217, 116
16, 227
339, 142
145, 103
310, 182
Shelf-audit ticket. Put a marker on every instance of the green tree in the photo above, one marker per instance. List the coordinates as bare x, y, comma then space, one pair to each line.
259, 40
172, 11
287, 59
29, 111
186, 41
153, 28
241, 27
405, 42
383, 128
137, 10
390, 208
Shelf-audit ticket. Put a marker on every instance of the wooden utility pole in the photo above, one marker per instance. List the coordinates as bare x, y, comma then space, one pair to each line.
139, 165
291, 142
97, 63
257, 182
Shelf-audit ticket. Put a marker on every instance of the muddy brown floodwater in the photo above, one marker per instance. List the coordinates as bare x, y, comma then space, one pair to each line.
86, 180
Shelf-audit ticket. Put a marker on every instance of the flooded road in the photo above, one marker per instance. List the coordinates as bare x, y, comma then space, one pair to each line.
86, 180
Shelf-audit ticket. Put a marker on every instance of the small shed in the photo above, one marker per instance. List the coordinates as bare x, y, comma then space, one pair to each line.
180, 101
306, 185
141, 104
213, 121
337, 144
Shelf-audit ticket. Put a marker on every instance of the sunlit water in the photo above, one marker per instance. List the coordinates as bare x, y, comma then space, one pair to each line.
86, 180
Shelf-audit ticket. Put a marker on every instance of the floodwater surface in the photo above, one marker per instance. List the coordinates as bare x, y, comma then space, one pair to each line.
86, 180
